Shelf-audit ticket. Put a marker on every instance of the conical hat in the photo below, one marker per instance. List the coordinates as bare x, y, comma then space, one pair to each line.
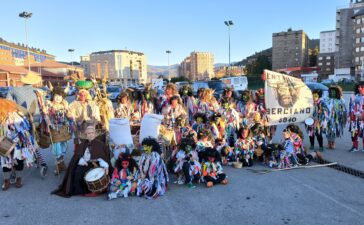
31, 78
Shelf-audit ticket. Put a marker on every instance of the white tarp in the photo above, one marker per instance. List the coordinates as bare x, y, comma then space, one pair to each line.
149, 126
287, 99
120, 133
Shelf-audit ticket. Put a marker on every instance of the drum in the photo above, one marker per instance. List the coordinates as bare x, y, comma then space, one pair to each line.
96, 180
6, 146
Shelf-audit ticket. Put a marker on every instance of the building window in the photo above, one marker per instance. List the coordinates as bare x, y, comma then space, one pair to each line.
357, 40
356, 59
357, 49
358, 31
328, 69
320, 58
328, 57
362, 40
320, 63
328, 63
362, 49
357, 21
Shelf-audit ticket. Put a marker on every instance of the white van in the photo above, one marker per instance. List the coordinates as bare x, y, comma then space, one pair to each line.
237, 83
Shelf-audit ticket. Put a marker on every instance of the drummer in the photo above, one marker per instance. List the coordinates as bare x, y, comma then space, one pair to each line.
91, 151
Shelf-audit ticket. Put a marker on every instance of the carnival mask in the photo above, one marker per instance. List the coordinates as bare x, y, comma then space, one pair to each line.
124, 164
245, 97
147, 96
315, 96
361, 89
245, 133
147, 149
332, 93
188, 148
185, 92
199, 120
226, 105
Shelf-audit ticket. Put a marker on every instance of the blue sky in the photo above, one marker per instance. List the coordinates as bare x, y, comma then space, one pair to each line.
153, 26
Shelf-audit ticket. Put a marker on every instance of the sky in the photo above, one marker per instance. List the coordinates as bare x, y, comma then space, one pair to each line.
154, 26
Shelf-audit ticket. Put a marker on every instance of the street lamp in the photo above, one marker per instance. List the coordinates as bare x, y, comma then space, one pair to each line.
229, 23
168, 52
71, 50
26, 16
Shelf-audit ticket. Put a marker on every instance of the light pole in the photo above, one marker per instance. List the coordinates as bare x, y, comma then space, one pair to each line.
168, 52
229, 23
26, 16
71, 50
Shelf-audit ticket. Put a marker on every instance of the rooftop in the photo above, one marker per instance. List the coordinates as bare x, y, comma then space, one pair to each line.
117, 51
23, 47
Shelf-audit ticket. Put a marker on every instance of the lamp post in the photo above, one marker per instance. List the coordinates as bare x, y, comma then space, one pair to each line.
71, 50
168, 52
229, 23
26, 16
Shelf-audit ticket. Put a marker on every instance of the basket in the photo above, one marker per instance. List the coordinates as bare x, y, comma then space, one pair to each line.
61, 134
238, 165
43, 140
6, 146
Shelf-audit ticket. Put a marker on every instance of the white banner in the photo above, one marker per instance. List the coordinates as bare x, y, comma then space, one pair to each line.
287, 99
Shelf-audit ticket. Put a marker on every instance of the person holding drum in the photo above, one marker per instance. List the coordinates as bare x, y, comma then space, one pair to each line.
92, 153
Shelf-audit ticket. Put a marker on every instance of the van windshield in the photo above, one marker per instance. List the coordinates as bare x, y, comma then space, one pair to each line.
217, 85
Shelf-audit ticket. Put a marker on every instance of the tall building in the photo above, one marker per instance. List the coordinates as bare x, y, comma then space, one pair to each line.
185, 68
358, 49
85, 64
290, 49
17, 54
126, 67
326, 57
198, 66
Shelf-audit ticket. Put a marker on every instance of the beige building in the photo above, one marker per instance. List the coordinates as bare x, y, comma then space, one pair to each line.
126, 67
290, 49
85, 64
198, 66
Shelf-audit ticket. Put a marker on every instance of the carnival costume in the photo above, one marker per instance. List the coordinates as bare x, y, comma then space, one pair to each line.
212, 171
244, 147
356, 112
187, 163
16, 130
337, 115
124, 178
320, 117
90, 151
232, 122
153, 175
55, 119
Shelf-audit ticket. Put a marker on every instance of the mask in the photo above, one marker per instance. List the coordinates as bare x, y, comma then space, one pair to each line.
147, 149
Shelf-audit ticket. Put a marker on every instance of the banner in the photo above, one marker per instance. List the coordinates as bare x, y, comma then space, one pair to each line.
287, 99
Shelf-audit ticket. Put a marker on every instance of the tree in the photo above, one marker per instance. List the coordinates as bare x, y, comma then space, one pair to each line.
312, 56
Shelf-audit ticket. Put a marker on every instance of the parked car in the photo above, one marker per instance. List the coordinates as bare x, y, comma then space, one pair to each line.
114, 92
346, 81
328, 81
180, 84
323, 88
199, 84
4, 91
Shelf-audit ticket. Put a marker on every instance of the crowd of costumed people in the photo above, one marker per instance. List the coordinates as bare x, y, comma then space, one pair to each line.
135, 147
